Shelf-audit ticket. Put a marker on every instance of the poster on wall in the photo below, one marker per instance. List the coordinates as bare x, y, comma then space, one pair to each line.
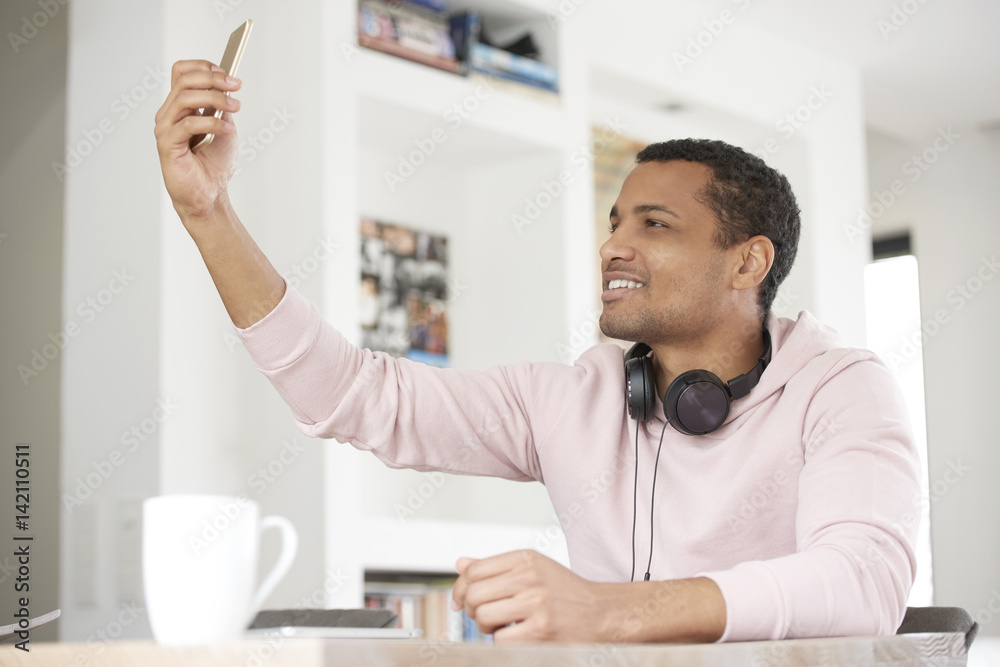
404, 291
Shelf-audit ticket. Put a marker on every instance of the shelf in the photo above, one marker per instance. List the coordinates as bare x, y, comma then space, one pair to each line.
517, 121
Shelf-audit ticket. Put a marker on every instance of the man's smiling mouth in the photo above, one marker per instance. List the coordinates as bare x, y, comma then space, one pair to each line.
630, 284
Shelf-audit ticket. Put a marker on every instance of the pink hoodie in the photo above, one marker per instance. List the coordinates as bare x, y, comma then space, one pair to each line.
802, 508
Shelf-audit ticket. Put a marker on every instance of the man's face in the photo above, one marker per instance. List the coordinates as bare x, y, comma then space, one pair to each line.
663, 242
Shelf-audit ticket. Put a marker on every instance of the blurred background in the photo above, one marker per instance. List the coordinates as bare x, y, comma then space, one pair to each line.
120, 368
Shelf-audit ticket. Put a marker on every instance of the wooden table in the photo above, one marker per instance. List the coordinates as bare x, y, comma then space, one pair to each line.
944, 649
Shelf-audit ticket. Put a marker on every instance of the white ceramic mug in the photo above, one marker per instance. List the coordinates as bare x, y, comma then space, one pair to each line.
199, 561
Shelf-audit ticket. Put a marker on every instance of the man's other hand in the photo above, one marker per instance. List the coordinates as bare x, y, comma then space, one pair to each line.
525, 596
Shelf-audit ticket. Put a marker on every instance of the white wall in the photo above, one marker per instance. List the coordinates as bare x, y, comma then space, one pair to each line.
235, 435
952, 210
164, 338
33, 72
111, 374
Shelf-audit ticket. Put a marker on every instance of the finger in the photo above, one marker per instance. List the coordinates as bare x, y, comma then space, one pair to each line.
190, 102
211, 79
179, 69
179, 134
182, 67
193, 102
475, 571
517, 632
461, 584
498, 615
501, 586
494, 565
215, 77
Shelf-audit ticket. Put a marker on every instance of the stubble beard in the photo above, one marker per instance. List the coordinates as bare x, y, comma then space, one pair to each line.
640, 327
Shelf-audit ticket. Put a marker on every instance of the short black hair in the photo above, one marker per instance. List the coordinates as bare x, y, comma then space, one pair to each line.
748, 198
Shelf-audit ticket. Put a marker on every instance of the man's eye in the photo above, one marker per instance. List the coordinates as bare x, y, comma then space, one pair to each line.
611, 228
656, 223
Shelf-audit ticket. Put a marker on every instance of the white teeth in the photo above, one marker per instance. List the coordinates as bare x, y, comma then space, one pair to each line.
615, 284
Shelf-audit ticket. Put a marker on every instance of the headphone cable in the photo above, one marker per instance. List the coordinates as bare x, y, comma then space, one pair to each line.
635, 493
652, 496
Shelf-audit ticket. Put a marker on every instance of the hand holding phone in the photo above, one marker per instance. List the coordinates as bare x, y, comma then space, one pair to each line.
230, 61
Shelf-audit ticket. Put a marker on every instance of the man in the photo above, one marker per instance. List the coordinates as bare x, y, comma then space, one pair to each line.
786, 519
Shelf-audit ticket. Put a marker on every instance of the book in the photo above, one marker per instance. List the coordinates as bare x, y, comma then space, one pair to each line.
407, 30
492, 60
465, 28
423, 603
439, 6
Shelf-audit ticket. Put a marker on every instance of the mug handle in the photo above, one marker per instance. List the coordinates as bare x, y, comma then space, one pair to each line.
289, 547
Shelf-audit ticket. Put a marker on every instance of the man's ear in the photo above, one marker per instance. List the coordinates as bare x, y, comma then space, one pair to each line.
753, 262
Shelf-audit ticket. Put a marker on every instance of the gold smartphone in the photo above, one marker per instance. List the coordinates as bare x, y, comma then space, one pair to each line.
230, 61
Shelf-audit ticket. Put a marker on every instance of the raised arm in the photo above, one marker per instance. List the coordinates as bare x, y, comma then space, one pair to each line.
198, 184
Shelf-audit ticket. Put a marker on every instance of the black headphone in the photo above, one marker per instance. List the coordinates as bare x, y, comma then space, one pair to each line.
696, 402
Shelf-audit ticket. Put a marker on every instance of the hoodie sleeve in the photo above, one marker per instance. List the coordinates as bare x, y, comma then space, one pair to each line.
467, 422
856, 522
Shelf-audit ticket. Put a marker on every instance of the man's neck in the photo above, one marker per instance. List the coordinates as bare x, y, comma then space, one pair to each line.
729, 352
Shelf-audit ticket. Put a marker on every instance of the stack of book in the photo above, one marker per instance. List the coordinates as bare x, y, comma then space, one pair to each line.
414, 29
496, 62
423, 602
422, 31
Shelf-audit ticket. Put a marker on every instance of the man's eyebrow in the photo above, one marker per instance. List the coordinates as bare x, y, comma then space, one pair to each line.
650, 208
646, 208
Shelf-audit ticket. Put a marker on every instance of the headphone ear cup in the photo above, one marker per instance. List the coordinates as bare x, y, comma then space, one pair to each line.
696, 402
639, 388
